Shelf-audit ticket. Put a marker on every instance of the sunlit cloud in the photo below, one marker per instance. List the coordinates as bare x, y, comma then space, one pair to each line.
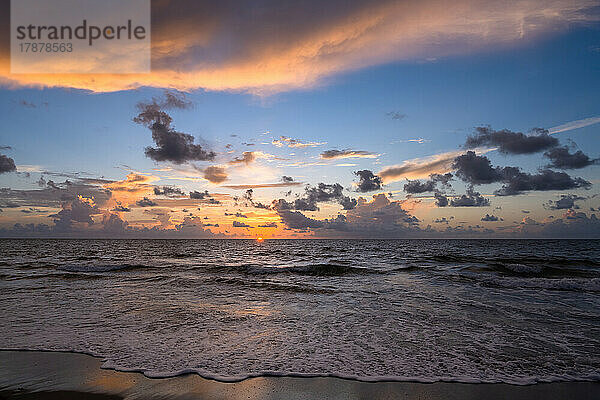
339, 154
314, 41
289, 142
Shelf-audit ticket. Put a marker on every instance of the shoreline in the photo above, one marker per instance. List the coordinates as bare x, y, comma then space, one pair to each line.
45, 375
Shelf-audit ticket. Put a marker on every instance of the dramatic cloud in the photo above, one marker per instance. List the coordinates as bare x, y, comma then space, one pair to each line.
475, 169
289, 142
413, 187
564, 202
337, 154
173, 146
314, 40
560, 157
511, 142
215, 174
7, 164
368, 181
79, 210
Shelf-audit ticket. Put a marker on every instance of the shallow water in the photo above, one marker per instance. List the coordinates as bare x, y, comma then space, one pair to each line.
428, 310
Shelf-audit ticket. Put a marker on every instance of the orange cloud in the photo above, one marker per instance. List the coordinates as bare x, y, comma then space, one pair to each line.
312, 42
132, 188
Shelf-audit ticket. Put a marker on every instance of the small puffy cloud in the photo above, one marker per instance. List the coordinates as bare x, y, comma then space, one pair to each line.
368, 181
215, 174
199, 195
414, 187
470, 199
238, 224
168, 191
395, 115
7, 164
564, 202
247, 158
145, 202
489, 218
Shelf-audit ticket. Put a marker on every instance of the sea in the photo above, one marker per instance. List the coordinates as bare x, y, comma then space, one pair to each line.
512, 311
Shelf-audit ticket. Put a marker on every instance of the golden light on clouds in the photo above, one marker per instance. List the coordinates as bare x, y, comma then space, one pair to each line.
187, 52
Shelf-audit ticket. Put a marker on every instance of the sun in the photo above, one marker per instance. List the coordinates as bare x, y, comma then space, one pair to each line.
259, 239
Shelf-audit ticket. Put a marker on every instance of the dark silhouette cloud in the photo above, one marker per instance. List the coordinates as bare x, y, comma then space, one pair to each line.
416, 186
516, 181
145, 202
7, 164
215, 174
560, 157
121, 208
440, 200
199, 195
564, 202
288, 179
317, 194
509, 142
297, 220
368, 181
238, 224
489, 218
470, 199
475, 169
173, 146
168, 191
268, 225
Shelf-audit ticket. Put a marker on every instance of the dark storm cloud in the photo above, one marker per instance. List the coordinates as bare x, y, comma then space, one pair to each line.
368, 181
509, 142
564, 202
489, 218
560, 157
145, 202
215, 174
516, 181
168, 191
7, 164
238, 224
173, 146
416, 186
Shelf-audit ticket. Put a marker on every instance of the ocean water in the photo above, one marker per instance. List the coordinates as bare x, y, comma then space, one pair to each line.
519, 312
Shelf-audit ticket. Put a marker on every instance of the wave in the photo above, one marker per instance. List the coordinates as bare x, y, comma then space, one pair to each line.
102, 268
318, 269
207, 374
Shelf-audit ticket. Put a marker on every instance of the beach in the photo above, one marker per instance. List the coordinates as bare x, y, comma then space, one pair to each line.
59, 375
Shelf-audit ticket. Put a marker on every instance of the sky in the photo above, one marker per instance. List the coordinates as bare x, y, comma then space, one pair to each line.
339, 120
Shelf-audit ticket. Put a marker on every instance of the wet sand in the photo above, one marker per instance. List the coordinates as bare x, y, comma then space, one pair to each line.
55, 375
